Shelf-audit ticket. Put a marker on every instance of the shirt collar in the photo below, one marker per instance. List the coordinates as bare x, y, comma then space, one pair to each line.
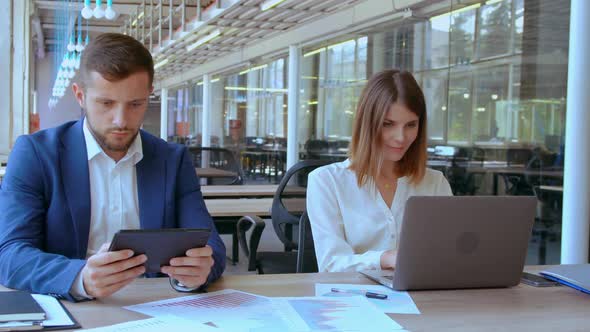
93, 149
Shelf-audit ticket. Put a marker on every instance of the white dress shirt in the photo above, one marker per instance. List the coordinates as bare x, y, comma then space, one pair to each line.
113, 196
352, 226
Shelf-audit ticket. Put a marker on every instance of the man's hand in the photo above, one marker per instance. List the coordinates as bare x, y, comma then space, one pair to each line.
388, 259
108, 271
193, 269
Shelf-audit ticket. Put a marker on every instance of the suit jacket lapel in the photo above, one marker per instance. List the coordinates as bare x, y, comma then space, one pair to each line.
74, 172
151, 185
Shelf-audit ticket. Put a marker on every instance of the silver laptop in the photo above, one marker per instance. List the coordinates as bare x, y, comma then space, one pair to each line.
451, 242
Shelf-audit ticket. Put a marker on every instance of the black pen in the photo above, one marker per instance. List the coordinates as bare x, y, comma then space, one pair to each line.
370, 295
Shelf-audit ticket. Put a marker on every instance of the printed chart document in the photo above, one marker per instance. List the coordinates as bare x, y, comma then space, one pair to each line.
234, 310
227, 309
163, 323
395, 303
333, 314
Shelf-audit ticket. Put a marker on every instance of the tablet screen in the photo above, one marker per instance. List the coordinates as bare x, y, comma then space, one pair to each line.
160, 245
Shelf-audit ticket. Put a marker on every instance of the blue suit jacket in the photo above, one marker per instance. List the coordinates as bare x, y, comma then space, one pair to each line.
45, 206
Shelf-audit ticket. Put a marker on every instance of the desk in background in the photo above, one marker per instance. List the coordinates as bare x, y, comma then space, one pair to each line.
248, 191
520, 308
214, 173
227, 212
557, 189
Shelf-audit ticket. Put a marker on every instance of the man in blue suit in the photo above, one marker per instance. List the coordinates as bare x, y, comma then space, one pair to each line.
68, 189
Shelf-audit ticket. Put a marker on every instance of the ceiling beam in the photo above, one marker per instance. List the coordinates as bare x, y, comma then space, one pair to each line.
246, 20
95, 28
127, 9
121, 8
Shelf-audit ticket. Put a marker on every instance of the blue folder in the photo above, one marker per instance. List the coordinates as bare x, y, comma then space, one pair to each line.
576, 276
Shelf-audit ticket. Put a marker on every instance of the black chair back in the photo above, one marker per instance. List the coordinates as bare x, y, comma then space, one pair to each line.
306, 259
289, 200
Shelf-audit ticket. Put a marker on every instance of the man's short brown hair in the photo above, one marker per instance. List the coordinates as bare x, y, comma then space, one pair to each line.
115, 56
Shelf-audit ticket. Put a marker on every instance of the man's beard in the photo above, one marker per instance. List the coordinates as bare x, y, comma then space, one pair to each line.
106, 146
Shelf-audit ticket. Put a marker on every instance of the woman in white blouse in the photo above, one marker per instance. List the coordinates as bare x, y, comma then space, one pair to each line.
356, 206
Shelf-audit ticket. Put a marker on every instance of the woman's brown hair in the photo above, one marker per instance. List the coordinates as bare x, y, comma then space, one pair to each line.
382, 91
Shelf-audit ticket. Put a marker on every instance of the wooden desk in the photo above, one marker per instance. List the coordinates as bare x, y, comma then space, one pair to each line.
214, 173
558, 189
515, 170
248, 191
521, 308
233, 207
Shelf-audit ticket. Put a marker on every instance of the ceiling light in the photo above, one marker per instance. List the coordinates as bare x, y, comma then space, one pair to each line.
98, 11
314, 52
456, 11
79, 44
268, 4
203, 40
71, 45
87, 11
110, 13
161, 63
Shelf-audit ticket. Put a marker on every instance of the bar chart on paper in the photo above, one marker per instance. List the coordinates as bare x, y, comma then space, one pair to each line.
248, 312
334, 314
219, 301
237, 311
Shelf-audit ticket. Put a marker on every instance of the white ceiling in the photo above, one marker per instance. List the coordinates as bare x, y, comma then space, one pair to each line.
240, 23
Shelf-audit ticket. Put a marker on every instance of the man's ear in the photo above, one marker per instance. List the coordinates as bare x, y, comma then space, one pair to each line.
78, 93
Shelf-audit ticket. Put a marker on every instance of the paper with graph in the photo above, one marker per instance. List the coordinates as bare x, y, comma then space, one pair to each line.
233, 310
227, 309
396, 302
163, 323
334, 314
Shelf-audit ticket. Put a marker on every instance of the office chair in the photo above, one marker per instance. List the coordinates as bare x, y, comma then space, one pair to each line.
218, 158
462, 180
306, 259
547, 227
286, 212
516, 184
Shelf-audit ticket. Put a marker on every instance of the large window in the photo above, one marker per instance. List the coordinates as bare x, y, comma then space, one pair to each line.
494, 77
332, 80
483, 85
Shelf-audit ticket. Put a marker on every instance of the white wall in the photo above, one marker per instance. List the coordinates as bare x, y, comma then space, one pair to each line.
5, 74
67, 108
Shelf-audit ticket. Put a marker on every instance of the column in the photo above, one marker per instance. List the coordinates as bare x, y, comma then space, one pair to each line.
293, 106
5, 84
576, 208
164, 114
206, 131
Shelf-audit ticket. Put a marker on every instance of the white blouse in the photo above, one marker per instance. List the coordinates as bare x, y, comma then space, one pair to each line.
352, 226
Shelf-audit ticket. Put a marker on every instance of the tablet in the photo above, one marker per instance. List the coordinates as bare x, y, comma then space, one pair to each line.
159, 245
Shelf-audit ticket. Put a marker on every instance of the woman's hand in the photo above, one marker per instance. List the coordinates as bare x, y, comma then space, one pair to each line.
388, 259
